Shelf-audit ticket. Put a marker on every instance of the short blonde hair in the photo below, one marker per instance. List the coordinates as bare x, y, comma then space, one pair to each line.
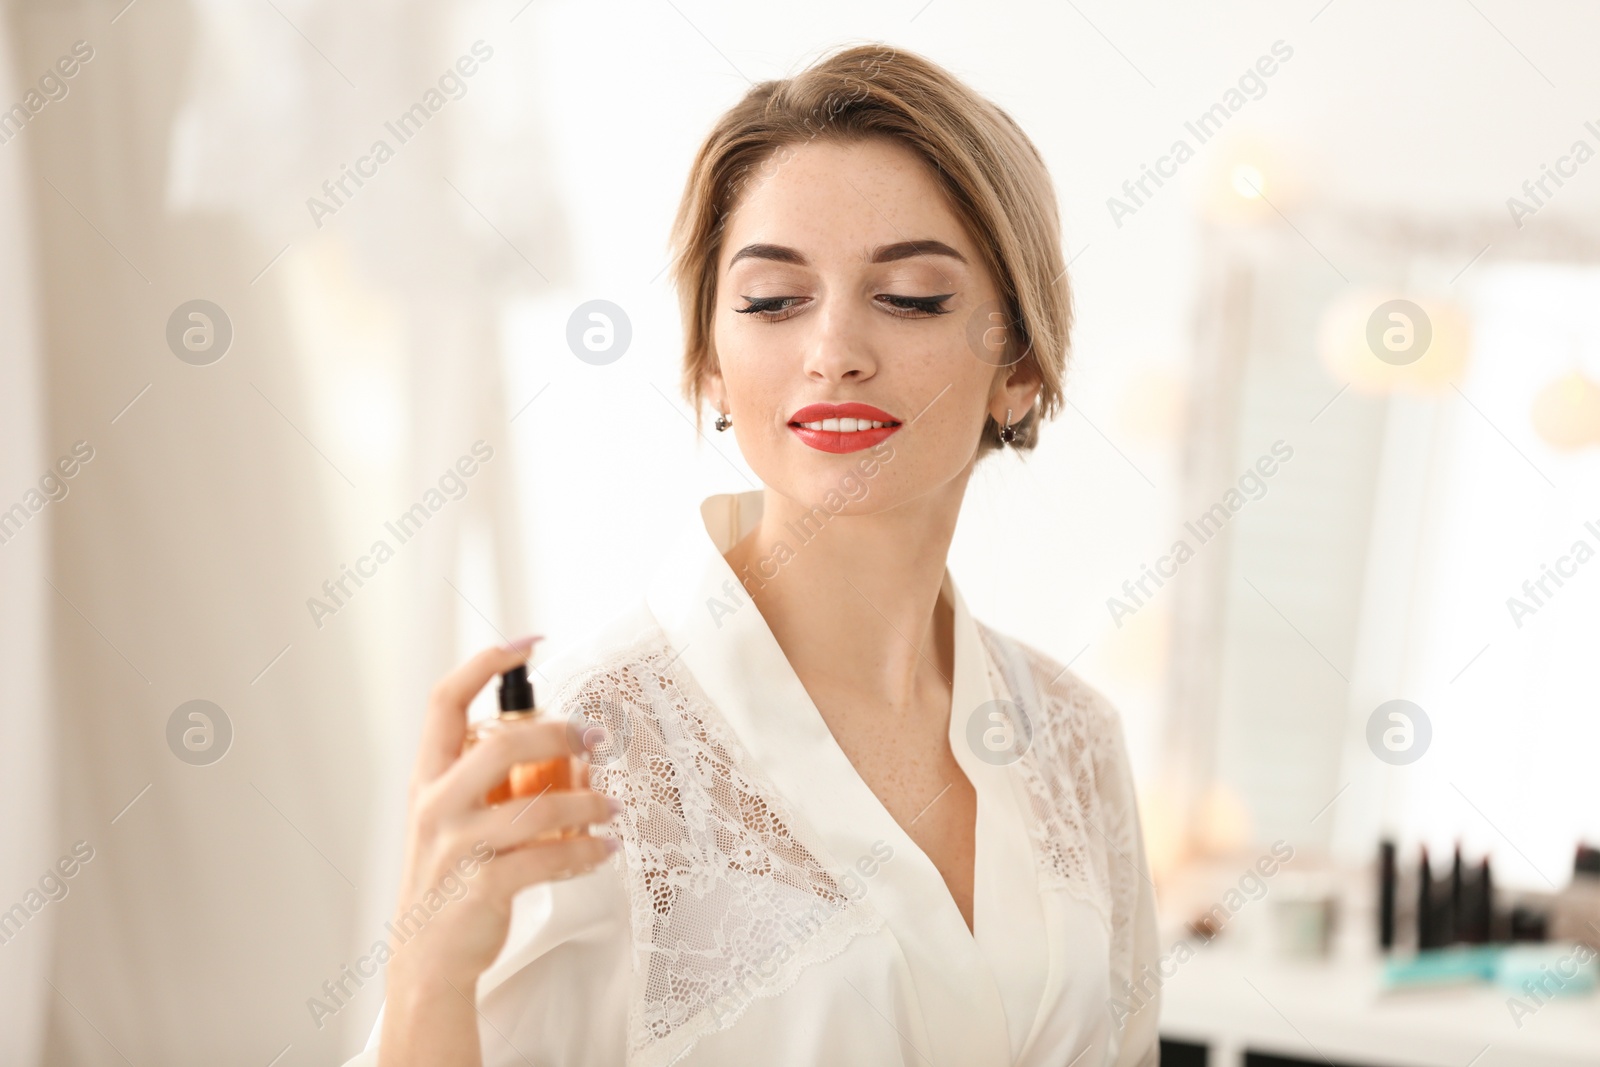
995, 178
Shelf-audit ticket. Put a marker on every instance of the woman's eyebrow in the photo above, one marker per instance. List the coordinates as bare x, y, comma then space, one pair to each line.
882, 254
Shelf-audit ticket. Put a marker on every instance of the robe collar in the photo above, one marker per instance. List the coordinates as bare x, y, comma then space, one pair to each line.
964, 979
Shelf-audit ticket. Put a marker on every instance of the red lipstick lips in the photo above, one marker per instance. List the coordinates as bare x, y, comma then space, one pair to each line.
842, 440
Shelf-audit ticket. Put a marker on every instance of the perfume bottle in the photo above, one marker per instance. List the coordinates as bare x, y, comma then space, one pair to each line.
529, 779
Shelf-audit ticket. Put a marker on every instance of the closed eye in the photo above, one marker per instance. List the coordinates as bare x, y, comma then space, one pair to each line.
778, 308
927, 305
771, 308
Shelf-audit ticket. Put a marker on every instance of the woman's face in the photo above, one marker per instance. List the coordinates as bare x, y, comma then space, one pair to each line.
846, 279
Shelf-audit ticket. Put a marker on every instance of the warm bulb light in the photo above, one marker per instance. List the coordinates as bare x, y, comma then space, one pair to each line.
1224, 826
1243, 168
1161, 819
1566, 413
1248, 181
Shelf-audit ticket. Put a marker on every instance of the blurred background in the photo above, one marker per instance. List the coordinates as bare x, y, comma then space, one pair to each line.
1336, 267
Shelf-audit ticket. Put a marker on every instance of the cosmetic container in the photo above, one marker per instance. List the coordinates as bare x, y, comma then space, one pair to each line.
531, 779
1388, 886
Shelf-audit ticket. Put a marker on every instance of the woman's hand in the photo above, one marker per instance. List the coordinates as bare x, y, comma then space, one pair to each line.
474, 858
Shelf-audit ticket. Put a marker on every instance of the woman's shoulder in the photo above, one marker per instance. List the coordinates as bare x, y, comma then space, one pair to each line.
627, 676
630, 637
1058, 694
1076, 771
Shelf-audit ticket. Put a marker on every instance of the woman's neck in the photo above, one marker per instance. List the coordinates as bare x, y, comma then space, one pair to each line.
854, 601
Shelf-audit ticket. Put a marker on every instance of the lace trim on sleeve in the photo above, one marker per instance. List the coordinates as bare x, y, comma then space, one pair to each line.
729, 900
1079, 786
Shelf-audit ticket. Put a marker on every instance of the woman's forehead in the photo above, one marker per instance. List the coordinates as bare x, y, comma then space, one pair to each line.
855, 201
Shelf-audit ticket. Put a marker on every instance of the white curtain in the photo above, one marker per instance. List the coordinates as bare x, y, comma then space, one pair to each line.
365, 360
27, 786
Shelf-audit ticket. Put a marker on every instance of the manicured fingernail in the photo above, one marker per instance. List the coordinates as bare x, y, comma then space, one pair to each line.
523, 644
594, 737
612, 844
614, 804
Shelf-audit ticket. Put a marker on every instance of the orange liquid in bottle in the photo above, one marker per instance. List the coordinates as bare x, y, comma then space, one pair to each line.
533, 778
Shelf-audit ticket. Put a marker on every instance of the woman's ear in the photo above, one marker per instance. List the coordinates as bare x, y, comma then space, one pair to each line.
714, 390
1018, 389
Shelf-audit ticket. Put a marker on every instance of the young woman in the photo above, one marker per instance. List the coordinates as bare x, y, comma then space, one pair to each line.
855, 825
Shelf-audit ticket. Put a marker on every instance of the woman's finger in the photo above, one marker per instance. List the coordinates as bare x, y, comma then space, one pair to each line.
444, 725
546, 861
488, 763
523, 820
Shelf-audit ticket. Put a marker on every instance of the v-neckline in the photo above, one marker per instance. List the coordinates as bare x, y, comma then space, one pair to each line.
943, 605
725, 643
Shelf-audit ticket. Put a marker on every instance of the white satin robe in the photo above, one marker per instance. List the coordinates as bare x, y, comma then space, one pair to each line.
821, 934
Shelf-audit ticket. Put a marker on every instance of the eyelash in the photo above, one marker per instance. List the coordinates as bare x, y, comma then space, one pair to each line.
928, 306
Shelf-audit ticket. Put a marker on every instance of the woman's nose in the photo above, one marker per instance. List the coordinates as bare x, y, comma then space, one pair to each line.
839, 349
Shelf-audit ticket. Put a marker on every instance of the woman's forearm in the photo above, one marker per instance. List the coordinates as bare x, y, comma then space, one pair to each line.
428, 1021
